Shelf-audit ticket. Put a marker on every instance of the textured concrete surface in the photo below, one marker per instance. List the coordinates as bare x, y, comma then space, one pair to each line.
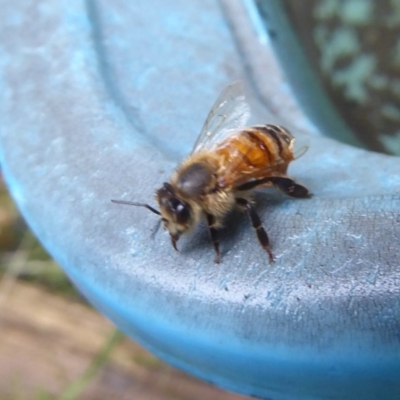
100, 100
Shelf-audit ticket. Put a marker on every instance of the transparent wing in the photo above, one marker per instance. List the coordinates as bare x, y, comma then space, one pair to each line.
301, 145
229, 113
300, 151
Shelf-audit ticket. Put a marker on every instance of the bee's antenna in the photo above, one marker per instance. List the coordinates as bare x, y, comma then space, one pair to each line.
132, 203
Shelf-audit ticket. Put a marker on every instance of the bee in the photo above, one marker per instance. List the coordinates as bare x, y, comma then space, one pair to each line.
228, 161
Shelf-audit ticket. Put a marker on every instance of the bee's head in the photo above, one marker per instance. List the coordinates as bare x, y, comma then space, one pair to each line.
176, 214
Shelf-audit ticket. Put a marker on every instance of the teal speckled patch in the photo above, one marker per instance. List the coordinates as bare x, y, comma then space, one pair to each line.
354, 12
326, 9
391, 141
354, 48
342, 43
354, 78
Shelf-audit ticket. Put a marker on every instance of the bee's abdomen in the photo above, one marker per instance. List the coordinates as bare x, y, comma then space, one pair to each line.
264, 145
254, 152
277, 138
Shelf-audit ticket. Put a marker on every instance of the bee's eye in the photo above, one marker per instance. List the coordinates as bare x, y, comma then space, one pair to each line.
182, 213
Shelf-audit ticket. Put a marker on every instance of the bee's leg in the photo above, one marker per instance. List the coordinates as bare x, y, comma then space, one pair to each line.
290, 187
256, 222
287, 185
214, 236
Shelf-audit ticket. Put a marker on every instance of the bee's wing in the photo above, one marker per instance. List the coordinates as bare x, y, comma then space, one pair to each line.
301, 145
300, 151
229, 113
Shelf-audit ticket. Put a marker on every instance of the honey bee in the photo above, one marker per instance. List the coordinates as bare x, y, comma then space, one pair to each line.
227, 163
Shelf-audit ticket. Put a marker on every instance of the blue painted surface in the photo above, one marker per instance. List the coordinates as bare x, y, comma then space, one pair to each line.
112, 98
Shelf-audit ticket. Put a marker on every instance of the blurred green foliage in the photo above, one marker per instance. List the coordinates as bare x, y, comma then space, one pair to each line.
22, 257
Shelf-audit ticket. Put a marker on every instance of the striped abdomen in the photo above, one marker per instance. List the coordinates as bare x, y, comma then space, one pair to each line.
254, 153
